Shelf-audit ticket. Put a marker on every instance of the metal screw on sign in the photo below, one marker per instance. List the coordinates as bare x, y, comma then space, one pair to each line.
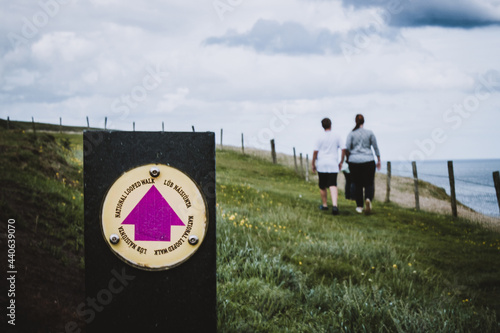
193, 240
154, 172
114, 239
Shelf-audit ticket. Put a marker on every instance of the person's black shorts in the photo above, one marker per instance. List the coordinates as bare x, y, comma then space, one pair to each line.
327, 179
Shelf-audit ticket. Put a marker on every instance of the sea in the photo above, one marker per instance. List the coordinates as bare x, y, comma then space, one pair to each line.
474, 185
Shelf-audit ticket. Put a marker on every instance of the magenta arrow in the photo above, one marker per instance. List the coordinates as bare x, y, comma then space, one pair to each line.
153, 218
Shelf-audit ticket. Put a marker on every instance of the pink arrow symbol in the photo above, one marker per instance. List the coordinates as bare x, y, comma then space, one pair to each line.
153, 218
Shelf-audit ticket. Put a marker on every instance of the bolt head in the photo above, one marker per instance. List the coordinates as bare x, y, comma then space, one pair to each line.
154, 172
193, 240
114, 239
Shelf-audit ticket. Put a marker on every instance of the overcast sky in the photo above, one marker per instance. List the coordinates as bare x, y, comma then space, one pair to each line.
425, 74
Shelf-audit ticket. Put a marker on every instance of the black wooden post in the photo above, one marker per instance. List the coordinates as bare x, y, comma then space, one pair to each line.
8, 123
496, 180
221, 136
388, 191
307, 167
120, 295
301, 165
33, 125
415, 180
88, 123
242, 144
295, 161
60, 124
452, 189
105, 122
273, 151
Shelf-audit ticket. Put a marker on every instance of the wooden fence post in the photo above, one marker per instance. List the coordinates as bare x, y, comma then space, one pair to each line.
388, 191
88, 124
452, 189
295, 161
8, 123
307, 167
193, 128
105, 122
163, 126
33, 124
242, 144
60, 124
301, 166
496, 180
273, 151
133, 126
221, 135
415, 179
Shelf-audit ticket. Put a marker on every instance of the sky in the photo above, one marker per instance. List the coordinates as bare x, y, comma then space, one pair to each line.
425, 74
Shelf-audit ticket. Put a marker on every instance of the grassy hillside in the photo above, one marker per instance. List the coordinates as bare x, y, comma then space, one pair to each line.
282, 265
41, 188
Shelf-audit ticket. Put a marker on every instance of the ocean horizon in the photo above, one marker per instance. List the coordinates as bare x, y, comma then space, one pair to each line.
474, 186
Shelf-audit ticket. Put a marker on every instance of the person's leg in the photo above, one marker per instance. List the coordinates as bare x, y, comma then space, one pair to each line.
370, 181
334, 193
324, 195
323, 190
357, 180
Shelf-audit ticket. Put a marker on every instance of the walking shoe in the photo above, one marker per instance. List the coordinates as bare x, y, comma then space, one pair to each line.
368, 207
321, 207
335, 210
359, 210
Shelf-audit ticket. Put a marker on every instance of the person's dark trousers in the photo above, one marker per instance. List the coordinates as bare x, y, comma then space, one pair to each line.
349, 194
363, 177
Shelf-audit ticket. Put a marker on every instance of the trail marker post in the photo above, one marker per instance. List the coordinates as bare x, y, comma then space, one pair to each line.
150, 247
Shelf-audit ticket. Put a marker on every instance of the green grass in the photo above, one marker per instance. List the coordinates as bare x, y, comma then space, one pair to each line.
42, 188
284, 266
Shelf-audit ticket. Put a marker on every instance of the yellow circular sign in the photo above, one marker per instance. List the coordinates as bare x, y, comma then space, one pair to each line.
154, 217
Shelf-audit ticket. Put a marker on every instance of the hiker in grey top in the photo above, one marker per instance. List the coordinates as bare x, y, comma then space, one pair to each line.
362, 165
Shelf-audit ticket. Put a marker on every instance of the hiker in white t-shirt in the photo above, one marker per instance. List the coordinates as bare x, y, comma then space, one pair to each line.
326, 162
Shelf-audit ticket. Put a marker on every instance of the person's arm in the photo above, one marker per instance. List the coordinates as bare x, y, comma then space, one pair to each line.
342, 159
315, 157
377, 151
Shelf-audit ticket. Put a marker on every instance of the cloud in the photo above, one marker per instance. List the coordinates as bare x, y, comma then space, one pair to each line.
443, 13
272, 37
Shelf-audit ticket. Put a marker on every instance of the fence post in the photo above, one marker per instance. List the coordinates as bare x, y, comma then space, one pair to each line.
388, 191
295, 161
60, 124
496, 180
452, 189
415, 179
301, 166
273, 151
105, 122
307, 167
133, 126
163, 126
192, 126
8, 123
33, 124
242, 144
88, 124
221, 135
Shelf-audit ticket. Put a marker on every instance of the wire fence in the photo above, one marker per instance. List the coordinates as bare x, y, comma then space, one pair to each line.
475, 190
